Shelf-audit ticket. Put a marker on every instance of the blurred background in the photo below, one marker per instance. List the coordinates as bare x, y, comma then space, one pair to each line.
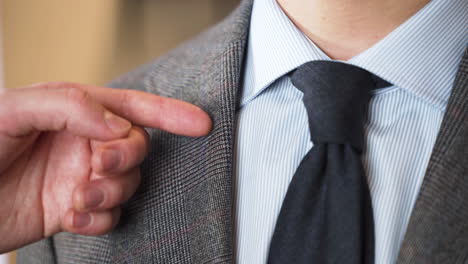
92, 42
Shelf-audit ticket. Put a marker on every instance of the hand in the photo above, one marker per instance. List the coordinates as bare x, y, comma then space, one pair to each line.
69, 155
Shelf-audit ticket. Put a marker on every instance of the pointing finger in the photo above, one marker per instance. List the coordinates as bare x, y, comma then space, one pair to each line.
23, 111
148, 110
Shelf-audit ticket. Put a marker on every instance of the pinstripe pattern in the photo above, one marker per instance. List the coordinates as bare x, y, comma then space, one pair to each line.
402, 126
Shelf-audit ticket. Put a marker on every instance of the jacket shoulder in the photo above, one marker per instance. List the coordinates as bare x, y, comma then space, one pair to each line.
174, 72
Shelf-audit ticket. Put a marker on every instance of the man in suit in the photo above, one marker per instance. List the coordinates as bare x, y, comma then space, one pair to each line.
216, 198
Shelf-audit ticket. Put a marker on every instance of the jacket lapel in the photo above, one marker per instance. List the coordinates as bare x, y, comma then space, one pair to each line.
438, 227
183, 211
213, 241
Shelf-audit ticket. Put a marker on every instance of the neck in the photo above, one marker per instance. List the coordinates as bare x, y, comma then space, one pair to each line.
345, 28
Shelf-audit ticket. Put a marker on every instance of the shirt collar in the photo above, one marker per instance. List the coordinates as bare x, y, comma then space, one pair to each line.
420, 56
275, 47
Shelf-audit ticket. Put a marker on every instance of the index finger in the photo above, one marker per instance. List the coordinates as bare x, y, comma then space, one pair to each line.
149, 110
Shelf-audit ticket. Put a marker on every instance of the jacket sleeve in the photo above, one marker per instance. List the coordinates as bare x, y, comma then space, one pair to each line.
41, 252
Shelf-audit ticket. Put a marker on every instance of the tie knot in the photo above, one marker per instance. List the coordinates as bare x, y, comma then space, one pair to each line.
336, 96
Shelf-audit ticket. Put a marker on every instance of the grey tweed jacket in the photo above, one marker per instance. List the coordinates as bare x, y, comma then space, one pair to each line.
183, 211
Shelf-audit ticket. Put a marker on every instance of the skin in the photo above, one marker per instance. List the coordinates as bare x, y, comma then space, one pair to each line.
345, 28
69, 155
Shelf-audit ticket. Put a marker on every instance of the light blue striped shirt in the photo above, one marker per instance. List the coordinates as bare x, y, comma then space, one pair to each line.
420, 58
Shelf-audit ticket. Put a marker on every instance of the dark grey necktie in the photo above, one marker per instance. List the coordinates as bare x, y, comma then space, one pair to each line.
326, 216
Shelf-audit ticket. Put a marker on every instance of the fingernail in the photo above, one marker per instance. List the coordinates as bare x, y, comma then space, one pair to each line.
116, 123
93, 197
110, 159
81, 220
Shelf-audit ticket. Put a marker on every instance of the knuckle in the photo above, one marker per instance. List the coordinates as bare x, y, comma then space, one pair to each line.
76, 100
77, 96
